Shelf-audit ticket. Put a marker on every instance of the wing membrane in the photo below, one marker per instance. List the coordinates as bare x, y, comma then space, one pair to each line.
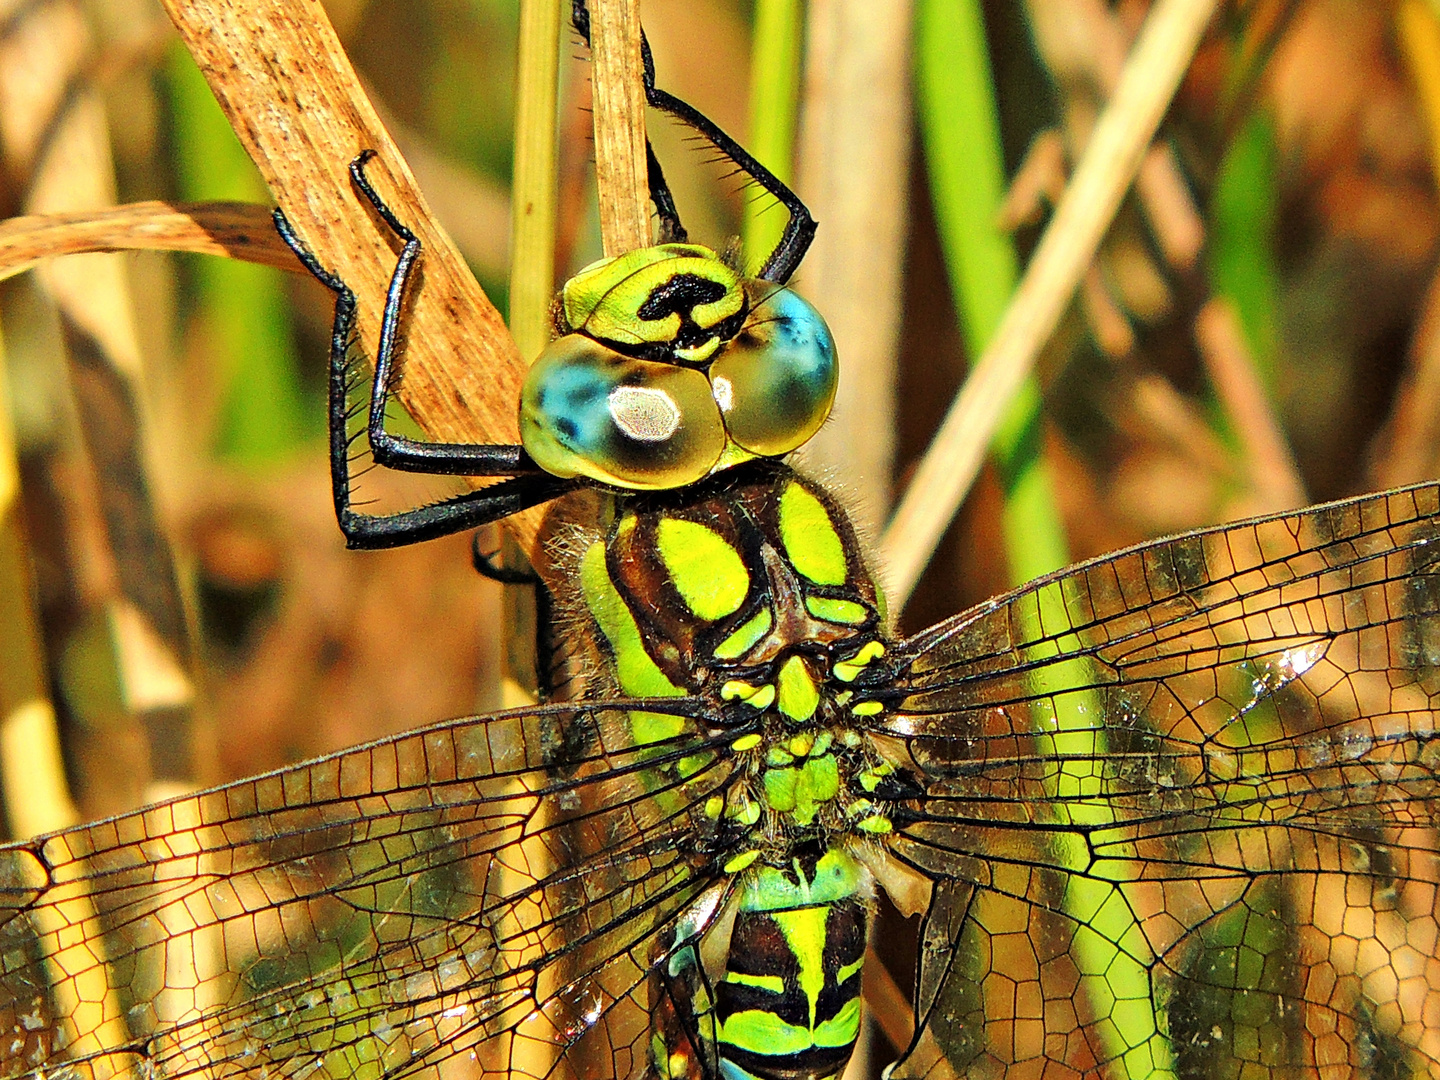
480, 897
1181, 802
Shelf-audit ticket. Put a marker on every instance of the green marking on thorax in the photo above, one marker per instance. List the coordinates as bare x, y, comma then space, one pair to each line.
745, 636
811, 542
845, 612
849, 670
635, 670
706, 570
796, 692
800, 790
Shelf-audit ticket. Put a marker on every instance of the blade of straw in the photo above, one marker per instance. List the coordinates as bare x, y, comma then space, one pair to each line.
620, 167
1152, 74
532, 248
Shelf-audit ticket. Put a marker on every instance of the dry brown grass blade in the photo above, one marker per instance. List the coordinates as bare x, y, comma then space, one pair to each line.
147, 639
1274, 478
229, 229
1407, 448
1122, 137
280, 75
620, 168
853, 161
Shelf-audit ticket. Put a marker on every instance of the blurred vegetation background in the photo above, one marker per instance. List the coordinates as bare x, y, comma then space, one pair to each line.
1260, 330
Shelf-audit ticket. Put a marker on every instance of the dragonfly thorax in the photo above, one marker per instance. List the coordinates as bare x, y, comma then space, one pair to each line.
751, 595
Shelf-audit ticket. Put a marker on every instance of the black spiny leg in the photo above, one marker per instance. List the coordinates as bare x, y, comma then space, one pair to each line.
781, 263
467, 511
397, 451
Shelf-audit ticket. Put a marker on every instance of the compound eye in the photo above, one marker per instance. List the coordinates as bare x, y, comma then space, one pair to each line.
775, 381
589, 411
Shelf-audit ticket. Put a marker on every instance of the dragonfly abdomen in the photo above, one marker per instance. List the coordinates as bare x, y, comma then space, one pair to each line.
786, 1004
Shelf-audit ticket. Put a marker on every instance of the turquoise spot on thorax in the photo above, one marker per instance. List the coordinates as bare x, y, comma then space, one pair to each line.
744, 638
811, 542
845, 612
708, 573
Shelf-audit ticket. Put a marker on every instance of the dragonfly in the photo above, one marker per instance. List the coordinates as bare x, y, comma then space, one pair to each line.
1168, 813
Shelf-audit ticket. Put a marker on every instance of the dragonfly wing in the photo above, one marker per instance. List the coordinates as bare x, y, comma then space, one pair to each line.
1179, 805
485, 895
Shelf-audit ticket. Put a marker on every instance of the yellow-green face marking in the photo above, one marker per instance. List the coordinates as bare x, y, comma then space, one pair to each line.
624, 299
670, 366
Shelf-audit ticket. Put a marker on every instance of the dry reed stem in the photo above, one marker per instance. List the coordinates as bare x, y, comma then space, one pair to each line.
1407, 448
280, 75
32, 768
1122, 137
70, 171
620, 166
888, 1005
1274, 477
1088, 36
854, 158
1167, 414
532, 208
472, 208
229, 229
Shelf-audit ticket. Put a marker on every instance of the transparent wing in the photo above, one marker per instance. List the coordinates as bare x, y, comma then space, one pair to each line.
1179, 807
480, 898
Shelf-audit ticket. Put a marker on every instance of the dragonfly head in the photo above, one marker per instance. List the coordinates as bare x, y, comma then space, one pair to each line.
669, 366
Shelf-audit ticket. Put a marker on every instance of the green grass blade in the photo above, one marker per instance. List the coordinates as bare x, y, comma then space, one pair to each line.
1243, 213
264, 411
774, 98
960, 129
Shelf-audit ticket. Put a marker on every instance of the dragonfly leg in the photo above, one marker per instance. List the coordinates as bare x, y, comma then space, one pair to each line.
781, 263
524, 489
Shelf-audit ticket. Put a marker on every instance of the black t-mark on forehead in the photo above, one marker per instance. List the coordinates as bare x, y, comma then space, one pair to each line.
679, 295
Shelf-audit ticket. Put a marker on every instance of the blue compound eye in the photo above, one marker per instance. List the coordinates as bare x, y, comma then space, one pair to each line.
775, 381
589, 411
